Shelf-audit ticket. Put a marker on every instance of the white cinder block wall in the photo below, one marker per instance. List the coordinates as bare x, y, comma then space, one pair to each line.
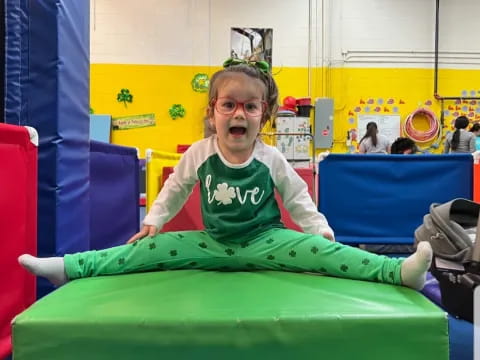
402, 33
193, 32
376, 33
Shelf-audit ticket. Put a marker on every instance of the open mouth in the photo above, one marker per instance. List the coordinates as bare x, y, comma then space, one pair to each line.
237, 130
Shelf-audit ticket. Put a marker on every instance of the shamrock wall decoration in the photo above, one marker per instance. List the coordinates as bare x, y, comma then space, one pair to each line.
177, 110
124, 96
200, 83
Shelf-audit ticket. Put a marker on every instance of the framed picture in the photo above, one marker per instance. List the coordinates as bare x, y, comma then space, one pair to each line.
252, 44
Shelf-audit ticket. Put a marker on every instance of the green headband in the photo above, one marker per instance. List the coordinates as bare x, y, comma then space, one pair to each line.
260, 65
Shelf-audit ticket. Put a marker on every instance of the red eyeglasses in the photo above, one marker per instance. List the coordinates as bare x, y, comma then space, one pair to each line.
227, 106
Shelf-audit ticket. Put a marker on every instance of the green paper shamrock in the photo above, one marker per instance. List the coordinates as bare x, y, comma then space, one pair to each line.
200, 83
91, 111
177, 110
124, 96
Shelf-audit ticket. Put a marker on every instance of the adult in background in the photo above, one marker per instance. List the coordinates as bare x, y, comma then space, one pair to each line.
373, 142
475, 129
461, 140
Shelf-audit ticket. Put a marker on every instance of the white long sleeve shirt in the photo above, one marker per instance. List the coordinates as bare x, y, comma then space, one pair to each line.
237, 200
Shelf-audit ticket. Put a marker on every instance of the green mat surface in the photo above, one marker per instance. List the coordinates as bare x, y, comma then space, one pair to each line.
192, 314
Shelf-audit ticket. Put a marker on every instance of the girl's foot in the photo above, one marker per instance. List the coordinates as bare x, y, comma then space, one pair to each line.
52, 268
414, 268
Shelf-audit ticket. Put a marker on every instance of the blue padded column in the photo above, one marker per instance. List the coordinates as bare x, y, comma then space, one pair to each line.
15, 64
47, 82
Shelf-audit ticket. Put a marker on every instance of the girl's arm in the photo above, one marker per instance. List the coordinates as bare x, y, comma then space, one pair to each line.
174, 193
361, 148
446, 149
297, 200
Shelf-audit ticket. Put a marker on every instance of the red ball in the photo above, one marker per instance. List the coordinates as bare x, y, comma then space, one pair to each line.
290, 102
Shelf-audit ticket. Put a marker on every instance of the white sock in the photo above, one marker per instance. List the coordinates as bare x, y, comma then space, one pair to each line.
414, 268
52, 268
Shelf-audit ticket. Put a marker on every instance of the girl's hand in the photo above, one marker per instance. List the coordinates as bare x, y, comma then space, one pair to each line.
149, 230
328, 236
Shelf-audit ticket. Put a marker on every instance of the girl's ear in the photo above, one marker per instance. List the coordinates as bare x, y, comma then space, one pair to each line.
207, 127
264, 122
210, 120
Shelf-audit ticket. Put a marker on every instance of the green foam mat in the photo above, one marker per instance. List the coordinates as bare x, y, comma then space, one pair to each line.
193, 314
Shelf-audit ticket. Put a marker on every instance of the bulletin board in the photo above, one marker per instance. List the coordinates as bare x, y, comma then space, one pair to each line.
388, 125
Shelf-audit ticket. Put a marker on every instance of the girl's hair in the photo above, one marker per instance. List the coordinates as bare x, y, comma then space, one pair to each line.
475, 127
461, 122
271, 90
371, 133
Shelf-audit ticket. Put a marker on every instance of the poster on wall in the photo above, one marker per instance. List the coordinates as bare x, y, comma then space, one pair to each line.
133, 121
388, 125
252, 44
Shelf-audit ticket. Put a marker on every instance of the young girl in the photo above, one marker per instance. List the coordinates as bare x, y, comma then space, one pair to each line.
238, 174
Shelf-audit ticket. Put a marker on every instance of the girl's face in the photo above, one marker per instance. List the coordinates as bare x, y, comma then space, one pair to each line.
237, 115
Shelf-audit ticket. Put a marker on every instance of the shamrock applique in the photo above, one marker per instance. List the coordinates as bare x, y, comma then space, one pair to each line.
224, 194
176, 110
200, 82
124, 96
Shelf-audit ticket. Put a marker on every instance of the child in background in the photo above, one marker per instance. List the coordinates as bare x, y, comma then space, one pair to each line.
238, 174
403, 145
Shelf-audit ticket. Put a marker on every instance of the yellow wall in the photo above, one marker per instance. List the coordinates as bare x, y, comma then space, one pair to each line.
404, 90
155, 88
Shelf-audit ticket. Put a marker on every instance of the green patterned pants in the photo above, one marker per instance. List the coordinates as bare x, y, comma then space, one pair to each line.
275, 249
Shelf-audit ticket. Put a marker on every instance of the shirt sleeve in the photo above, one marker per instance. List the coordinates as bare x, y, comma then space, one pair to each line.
296, 198
174, 193
472, 143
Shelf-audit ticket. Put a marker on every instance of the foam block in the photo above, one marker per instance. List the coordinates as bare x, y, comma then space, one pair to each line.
194, 314
18, 223
381, 199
